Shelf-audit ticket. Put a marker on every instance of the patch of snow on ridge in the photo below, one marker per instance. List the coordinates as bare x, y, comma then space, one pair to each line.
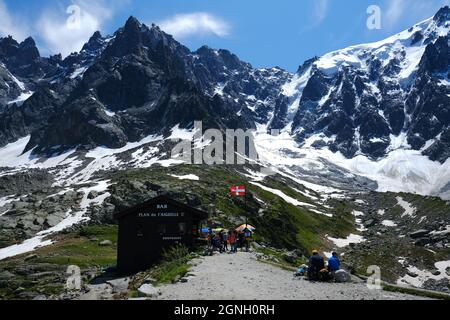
7, 200
191, 177
12, 156
284, 196
181, 134
297, 84
389, 223
351, 239
110, 113
442, 232
26, 246
423, 276
103, 158
19, 83
78, 72
24, 96
100, 152
359, 225
329, 215
70, 167
294, 89
408, 209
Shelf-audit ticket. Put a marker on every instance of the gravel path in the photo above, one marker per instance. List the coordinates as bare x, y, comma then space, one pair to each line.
242, 277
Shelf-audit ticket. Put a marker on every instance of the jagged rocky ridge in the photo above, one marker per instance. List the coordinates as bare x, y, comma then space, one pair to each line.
141, 81
136, 83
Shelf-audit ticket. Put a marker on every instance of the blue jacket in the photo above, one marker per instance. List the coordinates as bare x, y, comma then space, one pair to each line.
334, 263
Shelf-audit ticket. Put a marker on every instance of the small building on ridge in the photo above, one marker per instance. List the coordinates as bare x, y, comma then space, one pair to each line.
146, 230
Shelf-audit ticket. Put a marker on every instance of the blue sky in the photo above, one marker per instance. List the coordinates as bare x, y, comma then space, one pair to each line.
263, 32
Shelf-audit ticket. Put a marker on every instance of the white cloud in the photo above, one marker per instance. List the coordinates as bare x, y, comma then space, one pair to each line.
11, 25
320, 10
195, 24
397, 10
67, 31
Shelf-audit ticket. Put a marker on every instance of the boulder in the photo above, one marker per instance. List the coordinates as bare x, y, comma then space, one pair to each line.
6, 275
355, 279
31, 257
442, 285
52, 220
419, 234
342, 276
93, 195
422, 242
119, 285
370, 223
105, 243
39, 221
148, 290
435, 272
70, 195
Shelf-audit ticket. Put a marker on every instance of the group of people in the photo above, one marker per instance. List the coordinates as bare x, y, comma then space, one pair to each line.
318, 270
230, 241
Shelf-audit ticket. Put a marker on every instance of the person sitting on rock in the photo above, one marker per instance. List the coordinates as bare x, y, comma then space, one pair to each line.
334, 264
316, 264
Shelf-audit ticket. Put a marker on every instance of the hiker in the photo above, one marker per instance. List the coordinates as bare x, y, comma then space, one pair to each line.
225, 240
221, 241
316, 265
247, 239
232, 239
334, 264
302, 271
210, 238
241, 240
217, 243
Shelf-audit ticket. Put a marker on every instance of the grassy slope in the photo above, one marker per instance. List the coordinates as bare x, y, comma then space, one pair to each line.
46, 272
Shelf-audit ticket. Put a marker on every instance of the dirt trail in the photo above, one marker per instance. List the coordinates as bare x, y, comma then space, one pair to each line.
242, 277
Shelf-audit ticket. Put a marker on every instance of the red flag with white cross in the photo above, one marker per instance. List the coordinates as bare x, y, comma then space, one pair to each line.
238, 191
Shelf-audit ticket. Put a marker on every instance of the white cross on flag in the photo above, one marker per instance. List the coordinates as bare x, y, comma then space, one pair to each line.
238, 191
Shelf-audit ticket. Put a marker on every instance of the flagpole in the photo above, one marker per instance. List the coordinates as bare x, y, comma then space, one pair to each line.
245, 206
